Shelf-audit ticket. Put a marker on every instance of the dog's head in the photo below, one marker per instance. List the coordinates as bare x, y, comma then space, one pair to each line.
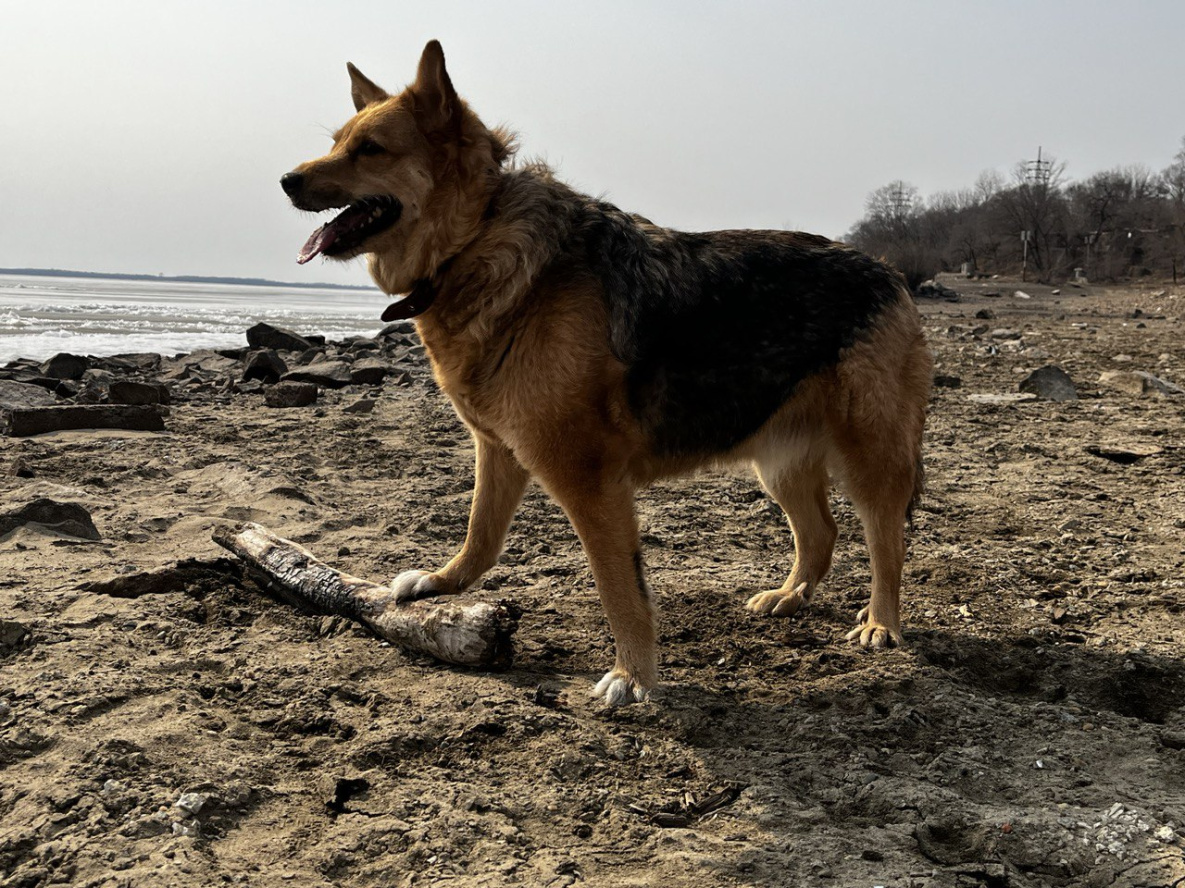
412, 175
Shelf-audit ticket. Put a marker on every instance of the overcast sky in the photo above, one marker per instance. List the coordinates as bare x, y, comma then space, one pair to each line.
150, 136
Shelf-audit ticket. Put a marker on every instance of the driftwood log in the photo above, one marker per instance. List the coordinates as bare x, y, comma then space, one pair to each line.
468, 634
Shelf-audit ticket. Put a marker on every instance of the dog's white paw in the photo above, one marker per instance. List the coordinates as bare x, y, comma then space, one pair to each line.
619, 689
415, 584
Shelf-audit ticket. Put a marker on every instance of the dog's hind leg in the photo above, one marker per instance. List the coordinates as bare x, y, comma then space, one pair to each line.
499, 485
881, 505
801, 491
877, 428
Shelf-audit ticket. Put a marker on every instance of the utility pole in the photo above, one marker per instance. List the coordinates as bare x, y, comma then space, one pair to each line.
1038, 171
899, 203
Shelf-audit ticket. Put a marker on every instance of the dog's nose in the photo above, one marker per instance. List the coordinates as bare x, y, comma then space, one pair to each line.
291, 183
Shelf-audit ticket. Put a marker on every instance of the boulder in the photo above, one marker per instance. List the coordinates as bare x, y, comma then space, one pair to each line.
290, 394
265, 365
266, 336
23, 394
1050, 383
368, 371
38, 420
127, 391
330, 374
65, 366
70, 519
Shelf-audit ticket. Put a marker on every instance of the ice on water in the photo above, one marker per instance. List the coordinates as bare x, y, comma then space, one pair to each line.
41, 316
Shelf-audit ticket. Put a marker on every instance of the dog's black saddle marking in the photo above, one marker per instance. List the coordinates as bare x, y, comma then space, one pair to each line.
718, 329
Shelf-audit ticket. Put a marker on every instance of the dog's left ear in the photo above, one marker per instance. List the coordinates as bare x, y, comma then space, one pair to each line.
363, 90
436, 100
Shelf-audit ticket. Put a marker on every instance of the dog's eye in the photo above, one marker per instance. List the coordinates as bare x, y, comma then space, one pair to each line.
369, 147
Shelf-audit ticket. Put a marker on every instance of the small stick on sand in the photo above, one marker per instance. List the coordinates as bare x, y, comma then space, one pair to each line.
474, 634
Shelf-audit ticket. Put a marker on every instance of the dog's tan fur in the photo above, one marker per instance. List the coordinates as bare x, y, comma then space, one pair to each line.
523, 350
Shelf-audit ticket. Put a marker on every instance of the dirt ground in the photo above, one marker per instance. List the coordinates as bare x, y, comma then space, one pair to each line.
1031, 733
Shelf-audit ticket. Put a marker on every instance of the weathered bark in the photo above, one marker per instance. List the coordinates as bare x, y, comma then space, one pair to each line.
468, 634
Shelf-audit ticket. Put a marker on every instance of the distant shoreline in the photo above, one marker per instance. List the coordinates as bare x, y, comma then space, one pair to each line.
181, 278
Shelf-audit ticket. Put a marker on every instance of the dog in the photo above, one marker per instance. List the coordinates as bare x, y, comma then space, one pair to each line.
596, 352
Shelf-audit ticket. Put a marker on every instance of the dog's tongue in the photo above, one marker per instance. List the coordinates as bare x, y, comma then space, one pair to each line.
318, 241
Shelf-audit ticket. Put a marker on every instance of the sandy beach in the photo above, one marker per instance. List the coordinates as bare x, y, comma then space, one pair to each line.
192, 730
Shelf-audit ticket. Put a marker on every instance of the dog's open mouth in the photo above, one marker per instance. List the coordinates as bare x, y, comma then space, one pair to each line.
348, 229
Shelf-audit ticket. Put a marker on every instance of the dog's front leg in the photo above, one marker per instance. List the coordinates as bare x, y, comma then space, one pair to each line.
499, 485
608, 529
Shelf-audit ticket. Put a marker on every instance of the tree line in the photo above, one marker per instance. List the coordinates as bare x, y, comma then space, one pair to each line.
1126, 222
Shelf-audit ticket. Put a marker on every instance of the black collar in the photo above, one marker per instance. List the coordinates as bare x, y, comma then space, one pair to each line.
418, 301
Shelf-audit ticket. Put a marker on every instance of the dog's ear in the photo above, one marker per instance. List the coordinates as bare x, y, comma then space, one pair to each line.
362, 89
436, 100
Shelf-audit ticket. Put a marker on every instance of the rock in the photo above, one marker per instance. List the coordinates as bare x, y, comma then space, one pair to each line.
266, 336
150, 826
330, 374
290, 394
23, 394
941, 380
38, 420
309, 355
1021, 294
1139, 383
1122, 359
12, 634
1001, 400
144, 362
65, 366
985, 314
1124, 454
934, 290
212, 362
192, 802
31, 377
190, 829
264, 365
368, 371
397, 330
20, 468
126, 391
365, 405
1003, 333
1050, 383
69, 519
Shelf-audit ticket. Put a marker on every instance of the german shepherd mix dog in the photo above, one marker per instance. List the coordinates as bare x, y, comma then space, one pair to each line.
595, 351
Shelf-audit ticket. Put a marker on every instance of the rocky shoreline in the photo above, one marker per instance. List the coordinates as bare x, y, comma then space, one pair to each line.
134, 391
